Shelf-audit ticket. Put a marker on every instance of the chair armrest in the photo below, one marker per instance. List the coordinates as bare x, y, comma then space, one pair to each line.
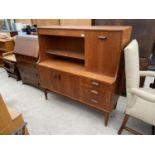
147, 73
143, 94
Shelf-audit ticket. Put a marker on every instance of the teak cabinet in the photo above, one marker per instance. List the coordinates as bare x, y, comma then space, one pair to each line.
83, 63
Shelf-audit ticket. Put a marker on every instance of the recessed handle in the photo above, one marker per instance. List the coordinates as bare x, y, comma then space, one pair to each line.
102, 37
94, 101
94, 83
59, 77
82, 35
94, 92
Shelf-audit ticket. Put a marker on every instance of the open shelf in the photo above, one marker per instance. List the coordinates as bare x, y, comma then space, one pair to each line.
69, 54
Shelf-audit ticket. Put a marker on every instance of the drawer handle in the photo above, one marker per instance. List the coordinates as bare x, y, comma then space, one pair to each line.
95, 83
102, 37
94, 101
94, 92
82, 35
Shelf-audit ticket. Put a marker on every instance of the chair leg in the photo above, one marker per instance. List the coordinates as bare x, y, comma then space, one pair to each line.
45, 93
123, 124
152, 85
106, 118
153, 128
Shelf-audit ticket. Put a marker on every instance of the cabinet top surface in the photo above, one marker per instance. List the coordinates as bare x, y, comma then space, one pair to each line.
108, 28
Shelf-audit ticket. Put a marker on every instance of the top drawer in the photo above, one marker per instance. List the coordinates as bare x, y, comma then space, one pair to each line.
95, 84
55, 32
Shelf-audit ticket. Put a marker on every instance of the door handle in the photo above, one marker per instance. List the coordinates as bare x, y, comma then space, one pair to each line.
59, 77
102, 37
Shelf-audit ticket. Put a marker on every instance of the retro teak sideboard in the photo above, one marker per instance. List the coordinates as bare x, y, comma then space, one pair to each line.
83, 63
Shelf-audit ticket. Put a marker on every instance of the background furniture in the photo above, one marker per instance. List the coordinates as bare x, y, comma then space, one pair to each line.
11, 121
83, 63
10, 65
48, 22
143, 31
45, 22
6, 45
26, 53
76, 22
140, 101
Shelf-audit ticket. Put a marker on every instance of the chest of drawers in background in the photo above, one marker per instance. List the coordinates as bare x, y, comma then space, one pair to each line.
26, 52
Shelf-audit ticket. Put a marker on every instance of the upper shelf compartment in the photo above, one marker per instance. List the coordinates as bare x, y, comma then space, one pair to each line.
64, 46
68, 54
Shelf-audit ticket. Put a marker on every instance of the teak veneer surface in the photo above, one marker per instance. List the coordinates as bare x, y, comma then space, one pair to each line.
92, 79
75, 68
108, 28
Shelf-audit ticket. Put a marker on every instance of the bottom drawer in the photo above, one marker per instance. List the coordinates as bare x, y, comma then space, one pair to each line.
10, 67
96, 97
30, 79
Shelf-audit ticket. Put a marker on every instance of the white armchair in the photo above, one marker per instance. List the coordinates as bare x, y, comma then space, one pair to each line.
140, 101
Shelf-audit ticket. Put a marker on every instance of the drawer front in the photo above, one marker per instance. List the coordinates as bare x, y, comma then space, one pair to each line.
96, 97
72, 33
95, 84
30, 75
27, 68
30, 80
10, 66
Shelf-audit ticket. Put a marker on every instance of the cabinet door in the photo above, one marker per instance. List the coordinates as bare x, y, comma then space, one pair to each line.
102, 52
47, 78
68, 84
60, 82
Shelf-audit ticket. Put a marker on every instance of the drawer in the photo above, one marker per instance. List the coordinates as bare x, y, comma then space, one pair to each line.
31, 75
27, 69
30, 80
95, 84
11, 64
27, 65
11, 67
95, 97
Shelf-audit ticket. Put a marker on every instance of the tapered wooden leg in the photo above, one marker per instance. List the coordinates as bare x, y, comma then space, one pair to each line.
123, 124
106, 118
152, 85
45, 92
153, 128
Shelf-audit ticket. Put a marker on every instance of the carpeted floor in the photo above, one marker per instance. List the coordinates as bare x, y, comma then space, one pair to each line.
60, 115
